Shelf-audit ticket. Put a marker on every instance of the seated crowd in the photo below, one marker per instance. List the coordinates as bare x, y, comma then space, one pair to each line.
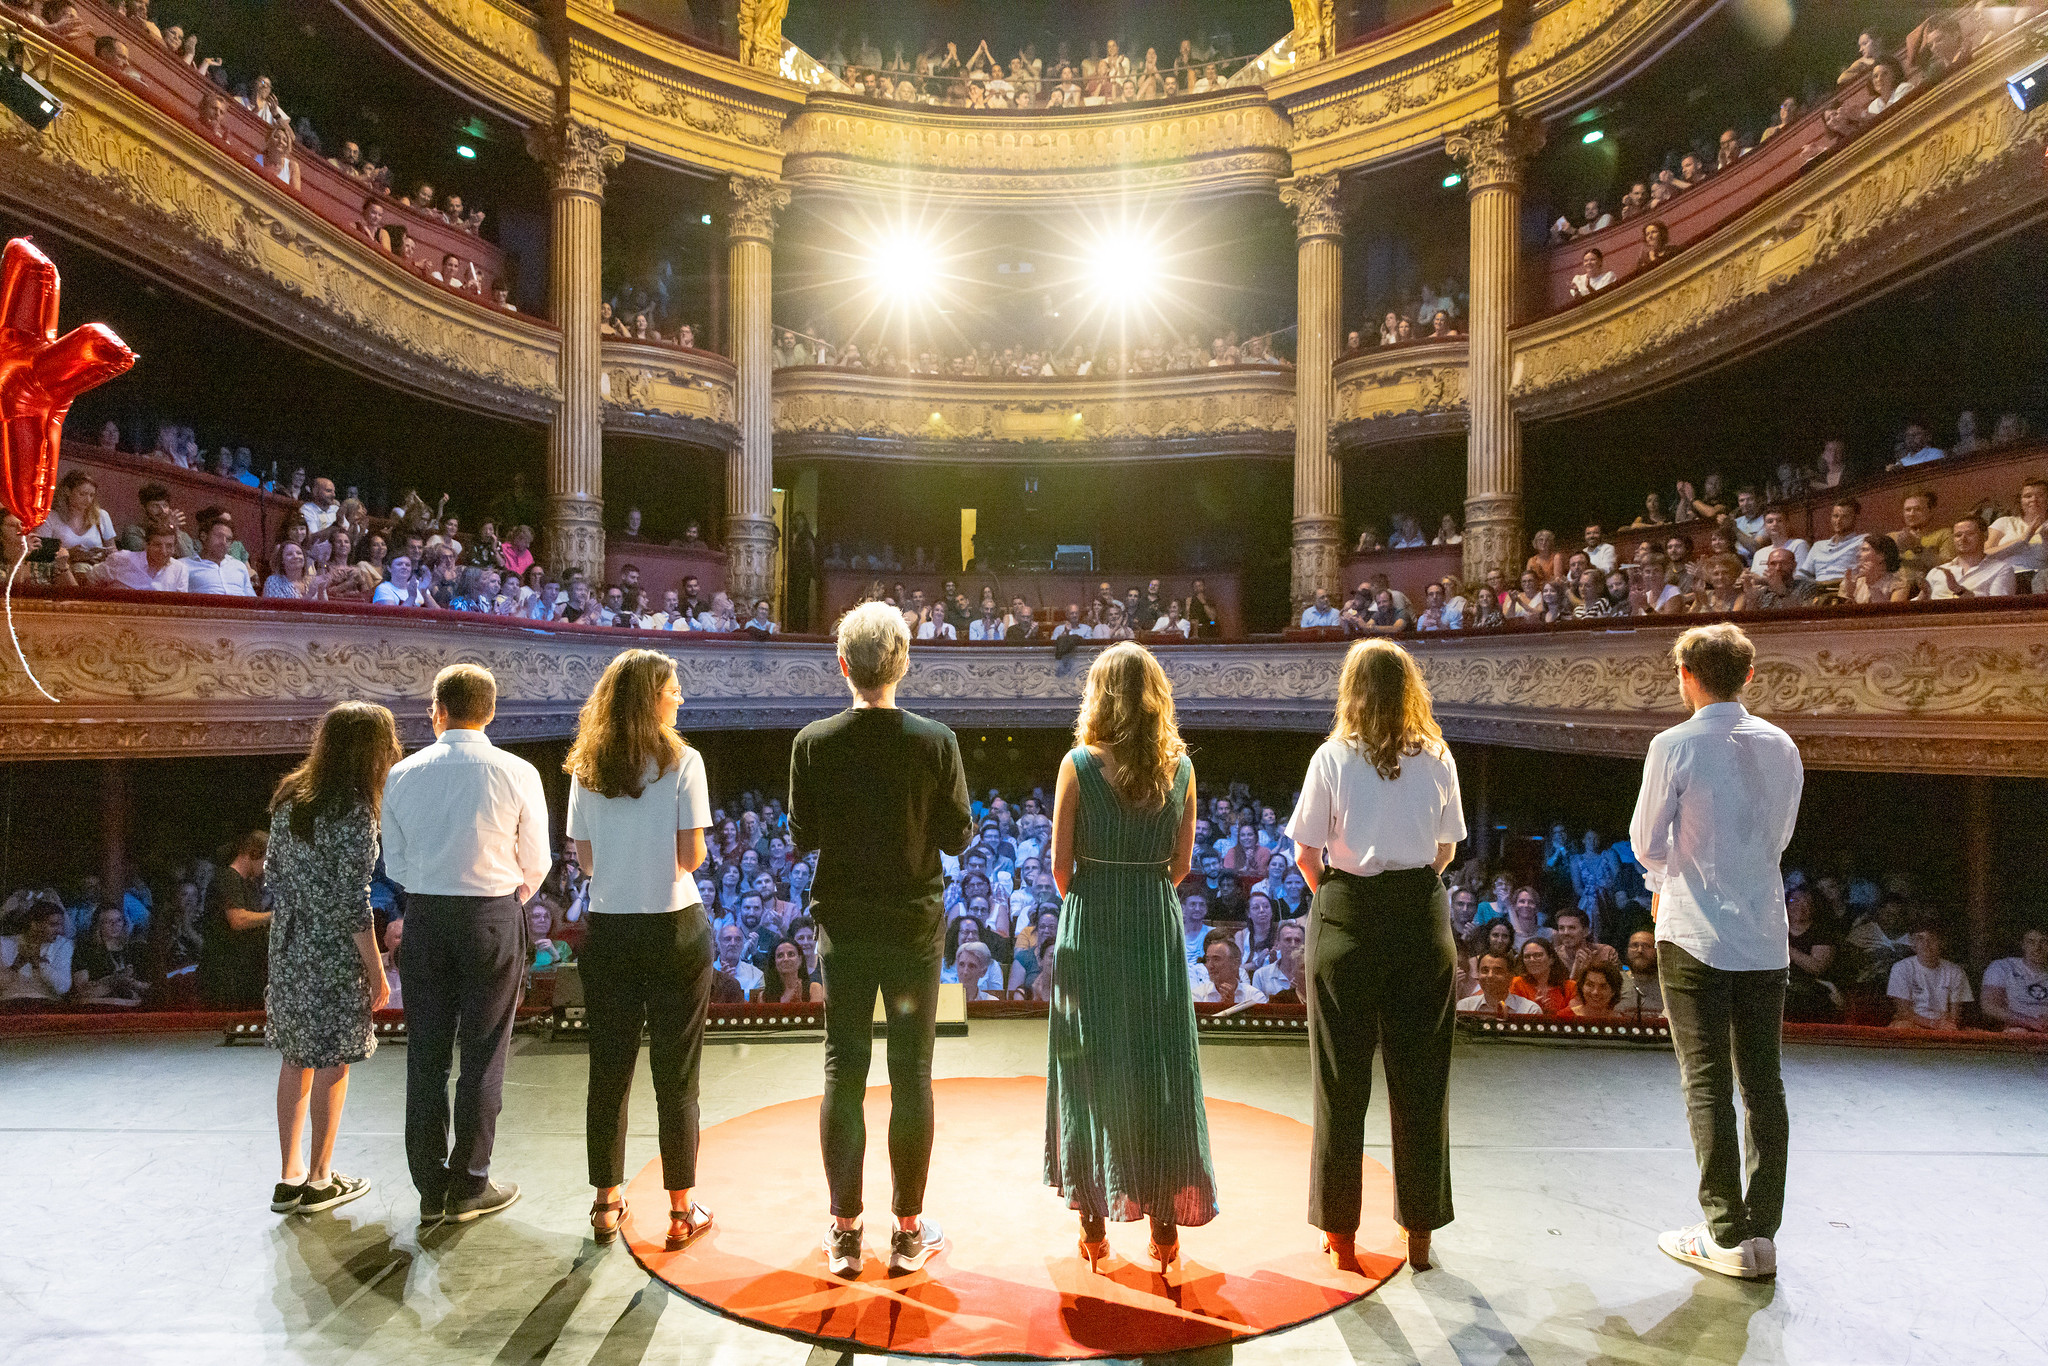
637, 316
1734, 554
333, 550
106, 32
1869, 86
1431, 313
1138, 613
1563, 929
1108, 74
1158, 353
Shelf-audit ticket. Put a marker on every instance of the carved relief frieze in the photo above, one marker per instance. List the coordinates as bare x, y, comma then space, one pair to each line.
655, 391
669, 99
1400, 395
1959, 690
119, 173
493, 47
1955, 165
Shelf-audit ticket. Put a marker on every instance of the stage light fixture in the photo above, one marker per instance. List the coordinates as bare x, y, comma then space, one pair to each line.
465, 151
706, 219
1592, 137
903, 266
1453, 181
2028, 87
27, 96
1124, 264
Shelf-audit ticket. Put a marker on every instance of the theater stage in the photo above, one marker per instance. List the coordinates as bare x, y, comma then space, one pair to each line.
137, 1171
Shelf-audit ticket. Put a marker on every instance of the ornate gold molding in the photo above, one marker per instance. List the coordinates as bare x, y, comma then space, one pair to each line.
1315, 30
751, 209
1312, 199
1246, 412
1210, 143
1494, 150
1400, 393
492, 48
576, 155
116, 172
1957, 688
761, 41
661, 391
1949, 169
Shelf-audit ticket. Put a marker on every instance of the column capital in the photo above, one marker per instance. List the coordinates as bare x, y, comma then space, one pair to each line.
576, 155
1313, 198
750, 544
575, 535
755, 202
1493, 150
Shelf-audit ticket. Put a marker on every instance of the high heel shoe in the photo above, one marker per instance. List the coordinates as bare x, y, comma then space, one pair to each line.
1095, 1254
1166, 1254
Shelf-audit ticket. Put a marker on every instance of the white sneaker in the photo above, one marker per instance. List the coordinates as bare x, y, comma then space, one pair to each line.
1763, 1255
1697, 1247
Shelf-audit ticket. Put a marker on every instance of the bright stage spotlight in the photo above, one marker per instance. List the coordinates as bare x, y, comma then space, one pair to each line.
1124, 264
903, 267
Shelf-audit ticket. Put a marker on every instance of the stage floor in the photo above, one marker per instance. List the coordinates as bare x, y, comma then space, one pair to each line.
135, 1227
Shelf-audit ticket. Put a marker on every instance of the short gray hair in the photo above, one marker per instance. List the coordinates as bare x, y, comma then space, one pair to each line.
875, 644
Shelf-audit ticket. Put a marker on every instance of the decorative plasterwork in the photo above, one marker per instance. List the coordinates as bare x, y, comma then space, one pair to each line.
761, 33
1232, 141
1312, 199
1202, 413
679, 114
1962, 689
491, 48
1315, 30
1574, 49
576, 155
116, 172
1494, 150
1951, 167
750, 211
1400, 393
660, 391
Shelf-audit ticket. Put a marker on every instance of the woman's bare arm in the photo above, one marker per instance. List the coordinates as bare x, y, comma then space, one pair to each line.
1066, 796
1184, 842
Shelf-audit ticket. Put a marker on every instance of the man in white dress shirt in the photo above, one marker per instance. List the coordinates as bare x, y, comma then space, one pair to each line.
465, 829
154, 568
1972, 573
213, 570
1834, 555
319, 514
1719, 799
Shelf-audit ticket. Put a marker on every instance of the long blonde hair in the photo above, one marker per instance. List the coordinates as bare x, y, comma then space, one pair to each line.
353, 751
620, 729
1383, 708
1127, 709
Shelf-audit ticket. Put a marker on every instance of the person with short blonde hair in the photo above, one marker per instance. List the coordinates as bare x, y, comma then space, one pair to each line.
1125, 1132
1379, 818
1719, 799
879, 792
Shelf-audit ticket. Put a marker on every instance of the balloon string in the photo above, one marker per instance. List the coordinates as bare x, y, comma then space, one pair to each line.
8, 597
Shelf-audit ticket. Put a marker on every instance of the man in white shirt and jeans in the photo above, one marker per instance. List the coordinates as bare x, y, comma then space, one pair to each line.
465, 829
1719, 799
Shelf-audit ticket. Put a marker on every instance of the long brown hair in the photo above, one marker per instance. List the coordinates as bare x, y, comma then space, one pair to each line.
353, 750
620, 728
1127, 709
1383, 708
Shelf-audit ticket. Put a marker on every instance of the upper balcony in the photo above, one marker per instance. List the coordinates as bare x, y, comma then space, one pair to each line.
1235, 411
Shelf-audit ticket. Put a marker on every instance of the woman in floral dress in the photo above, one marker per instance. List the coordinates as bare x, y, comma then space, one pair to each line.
326, 974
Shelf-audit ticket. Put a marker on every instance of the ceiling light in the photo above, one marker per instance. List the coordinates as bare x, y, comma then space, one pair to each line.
903, 266
1124, 264
1592, 137
1453, 181
465, 151
706, 219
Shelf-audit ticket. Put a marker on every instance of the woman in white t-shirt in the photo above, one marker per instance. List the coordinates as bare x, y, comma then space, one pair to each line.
2016, 989
638, 808
1378, 821
77, 520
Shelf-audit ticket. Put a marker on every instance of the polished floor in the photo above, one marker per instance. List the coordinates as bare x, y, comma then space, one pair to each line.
136, 1171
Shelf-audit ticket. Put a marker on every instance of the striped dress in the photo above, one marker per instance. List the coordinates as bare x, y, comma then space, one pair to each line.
1125, 1133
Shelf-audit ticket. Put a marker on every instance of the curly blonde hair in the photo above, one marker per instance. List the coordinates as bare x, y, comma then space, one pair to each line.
1383, 707
1127, 710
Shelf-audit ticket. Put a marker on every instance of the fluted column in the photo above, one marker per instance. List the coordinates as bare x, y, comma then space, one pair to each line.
1318, 484
750, 469
1493, 151
577, 158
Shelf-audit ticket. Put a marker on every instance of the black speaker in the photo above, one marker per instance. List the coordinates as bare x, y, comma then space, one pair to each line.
28, 97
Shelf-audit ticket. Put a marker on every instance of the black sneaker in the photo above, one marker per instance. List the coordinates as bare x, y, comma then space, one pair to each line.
336, 1190
910, 1249
285, 1198
492, 1198
842, 1250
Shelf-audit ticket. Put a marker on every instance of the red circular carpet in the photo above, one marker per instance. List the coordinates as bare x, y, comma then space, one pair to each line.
1011, 1283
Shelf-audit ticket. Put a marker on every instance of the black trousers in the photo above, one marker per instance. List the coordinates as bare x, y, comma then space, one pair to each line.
1726, 1027
1382, 970
462, 961
908, 976
652, 969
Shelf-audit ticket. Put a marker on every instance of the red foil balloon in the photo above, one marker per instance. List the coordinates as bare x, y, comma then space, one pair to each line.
40, 374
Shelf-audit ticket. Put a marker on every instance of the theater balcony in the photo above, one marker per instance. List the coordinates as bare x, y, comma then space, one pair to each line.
1951, 687
1245, 412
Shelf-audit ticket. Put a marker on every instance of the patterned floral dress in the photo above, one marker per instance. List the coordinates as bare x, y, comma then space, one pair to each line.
1125, 1133
318, 997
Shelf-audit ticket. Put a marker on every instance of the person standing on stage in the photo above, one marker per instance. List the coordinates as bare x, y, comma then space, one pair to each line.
326, 972
1125, 1132
638, 808
1720, 797
466, 834
879, 792
1378, 821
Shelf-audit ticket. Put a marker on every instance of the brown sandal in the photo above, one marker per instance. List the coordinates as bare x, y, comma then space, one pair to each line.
605, 1234
685, 1226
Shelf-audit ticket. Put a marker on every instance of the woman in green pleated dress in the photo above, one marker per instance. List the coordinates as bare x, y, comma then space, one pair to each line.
1125, 1133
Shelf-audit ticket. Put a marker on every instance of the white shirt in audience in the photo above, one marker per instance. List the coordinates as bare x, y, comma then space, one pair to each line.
1831, 557
317, 518
130, 569
1931, 991
937, 630
2026, 991
1516, 1005
2026, 552
1988, 578
98, 536
47, 979
229, 577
